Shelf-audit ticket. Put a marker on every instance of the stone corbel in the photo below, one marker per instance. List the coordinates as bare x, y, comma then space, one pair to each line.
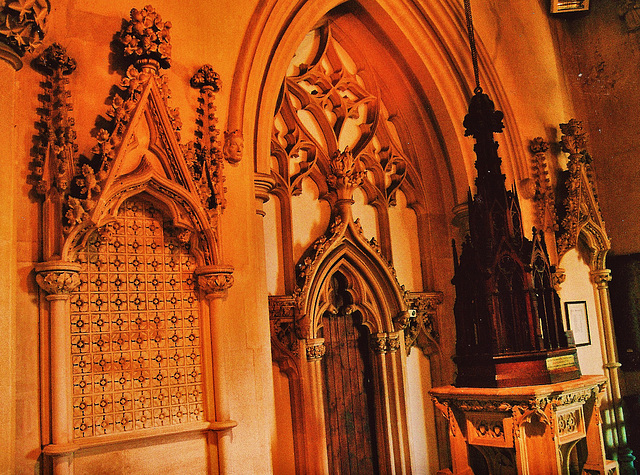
58, 279
215, 280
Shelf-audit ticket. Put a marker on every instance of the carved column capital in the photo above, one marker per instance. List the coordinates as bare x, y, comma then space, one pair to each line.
382, 343
58, 277
601, 278
461, 218
558, 278
215, 280
315, 348
263, 184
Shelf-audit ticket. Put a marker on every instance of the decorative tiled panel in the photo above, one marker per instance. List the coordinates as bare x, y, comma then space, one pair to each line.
135, 329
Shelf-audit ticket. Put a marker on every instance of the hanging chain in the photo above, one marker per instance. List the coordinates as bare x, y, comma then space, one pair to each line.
472, 44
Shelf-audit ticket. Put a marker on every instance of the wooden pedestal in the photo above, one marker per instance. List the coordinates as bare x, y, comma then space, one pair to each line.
534, 430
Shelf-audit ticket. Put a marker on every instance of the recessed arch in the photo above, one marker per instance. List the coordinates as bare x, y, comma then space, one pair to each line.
431, 41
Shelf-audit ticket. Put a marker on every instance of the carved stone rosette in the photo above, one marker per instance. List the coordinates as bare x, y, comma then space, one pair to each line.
215, 280
57, 277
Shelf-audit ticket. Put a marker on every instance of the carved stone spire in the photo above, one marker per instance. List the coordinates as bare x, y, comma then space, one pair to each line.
55, 164
204, 155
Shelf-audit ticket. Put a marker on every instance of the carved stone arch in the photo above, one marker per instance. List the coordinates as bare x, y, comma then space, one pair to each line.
348, 250
379, 307
428, 36
132, 265
180, 206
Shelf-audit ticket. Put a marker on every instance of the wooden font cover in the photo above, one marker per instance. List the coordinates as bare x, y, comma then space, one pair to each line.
508, 318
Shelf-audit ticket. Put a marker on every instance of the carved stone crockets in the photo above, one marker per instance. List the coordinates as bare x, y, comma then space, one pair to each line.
203, 155
508, 320
580, 208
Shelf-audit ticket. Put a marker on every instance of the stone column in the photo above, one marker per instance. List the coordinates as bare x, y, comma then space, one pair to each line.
600, 279
215, 281
392, 430
8, 69
58, 279
315, 437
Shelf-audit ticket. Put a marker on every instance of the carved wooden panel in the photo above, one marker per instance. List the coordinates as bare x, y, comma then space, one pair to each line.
135, 328
349, 412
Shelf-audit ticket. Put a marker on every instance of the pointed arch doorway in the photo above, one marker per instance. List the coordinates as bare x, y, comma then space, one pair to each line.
348, 385
341, 130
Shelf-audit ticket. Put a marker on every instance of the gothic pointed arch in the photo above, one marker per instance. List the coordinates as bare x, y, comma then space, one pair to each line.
427, 56
132, 270
372, 281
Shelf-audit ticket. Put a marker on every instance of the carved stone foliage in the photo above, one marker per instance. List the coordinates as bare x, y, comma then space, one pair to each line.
422, 327
204, 156
58, 281
137, 147
215, 280
284, 339
347, 174
544, 197
580, 207
147, 38
330, 110
23, 24
56, 158
384, 343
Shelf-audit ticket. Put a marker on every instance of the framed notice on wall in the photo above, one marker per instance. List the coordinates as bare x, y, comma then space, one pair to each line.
578, 321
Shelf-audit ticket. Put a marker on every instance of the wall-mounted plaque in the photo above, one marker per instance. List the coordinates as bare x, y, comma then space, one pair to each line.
578, 322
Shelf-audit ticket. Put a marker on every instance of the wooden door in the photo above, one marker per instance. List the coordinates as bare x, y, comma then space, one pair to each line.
348, 386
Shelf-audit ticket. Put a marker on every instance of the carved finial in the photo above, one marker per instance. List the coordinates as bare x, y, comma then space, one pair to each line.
347, 173
55, 58
203, 154
538, 145
146, 38
23, 24
574, 140
206, 77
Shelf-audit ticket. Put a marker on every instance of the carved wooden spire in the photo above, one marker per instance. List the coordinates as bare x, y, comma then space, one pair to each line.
508, 318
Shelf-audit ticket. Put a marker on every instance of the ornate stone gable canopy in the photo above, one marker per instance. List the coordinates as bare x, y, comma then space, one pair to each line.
132, 267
